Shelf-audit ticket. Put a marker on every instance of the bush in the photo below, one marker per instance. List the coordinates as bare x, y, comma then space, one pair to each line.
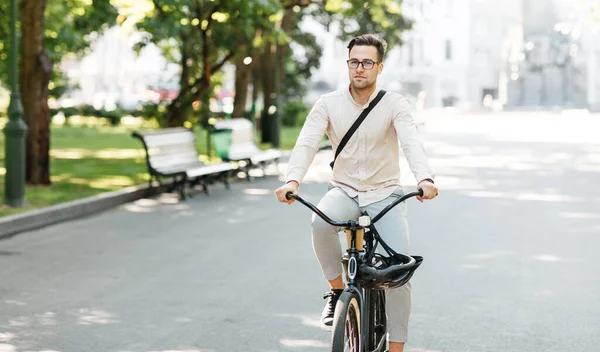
70, 111
89, 110
294, 113
152, 111
114, 116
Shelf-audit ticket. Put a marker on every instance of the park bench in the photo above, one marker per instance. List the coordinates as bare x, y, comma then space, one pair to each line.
172, 153
234, 141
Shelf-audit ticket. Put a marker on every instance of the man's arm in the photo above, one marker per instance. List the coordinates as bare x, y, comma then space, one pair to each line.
308, 141
305, 149
413, 148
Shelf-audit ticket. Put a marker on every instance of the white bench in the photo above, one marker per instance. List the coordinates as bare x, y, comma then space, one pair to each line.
234, 141
171, 152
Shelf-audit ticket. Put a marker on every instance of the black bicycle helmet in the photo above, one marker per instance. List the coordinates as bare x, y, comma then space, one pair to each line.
377, 271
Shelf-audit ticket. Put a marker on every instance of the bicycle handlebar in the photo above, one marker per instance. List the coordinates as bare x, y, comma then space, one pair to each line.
351, 223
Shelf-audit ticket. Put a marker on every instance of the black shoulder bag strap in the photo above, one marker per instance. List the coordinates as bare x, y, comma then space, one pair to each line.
355, 125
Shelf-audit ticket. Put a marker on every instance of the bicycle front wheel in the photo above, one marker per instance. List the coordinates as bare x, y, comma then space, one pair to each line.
377, 329
346, 324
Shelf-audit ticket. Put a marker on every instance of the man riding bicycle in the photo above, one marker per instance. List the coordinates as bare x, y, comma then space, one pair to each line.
366, 172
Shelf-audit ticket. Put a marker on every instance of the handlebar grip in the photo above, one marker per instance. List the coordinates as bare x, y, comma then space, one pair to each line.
421, 192
289, 195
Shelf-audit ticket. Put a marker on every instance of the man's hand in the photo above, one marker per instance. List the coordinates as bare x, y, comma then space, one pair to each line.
430, 190
291, 186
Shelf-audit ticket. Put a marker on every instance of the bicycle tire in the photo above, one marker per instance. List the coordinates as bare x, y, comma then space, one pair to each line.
376, 339
346, 324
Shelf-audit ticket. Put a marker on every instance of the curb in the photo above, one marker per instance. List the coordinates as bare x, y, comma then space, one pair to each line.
35, 219
32, 220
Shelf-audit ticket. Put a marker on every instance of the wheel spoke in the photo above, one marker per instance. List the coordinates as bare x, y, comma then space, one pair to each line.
352, 337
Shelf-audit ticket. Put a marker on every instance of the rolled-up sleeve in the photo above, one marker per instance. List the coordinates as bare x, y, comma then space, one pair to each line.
308, 142
410, 141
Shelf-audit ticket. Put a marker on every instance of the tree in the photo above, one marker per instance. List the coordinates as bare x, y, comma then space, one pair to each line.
4, 43
202, 36
64, 27
34, 76
353, 17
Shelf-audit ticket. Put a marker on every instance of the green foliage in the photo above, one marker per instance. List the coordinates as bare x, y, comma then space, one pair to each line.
294, 113
203, 35
70, 27
202, 32
188, 27
354, 17
304, 56
4, 42
148, 112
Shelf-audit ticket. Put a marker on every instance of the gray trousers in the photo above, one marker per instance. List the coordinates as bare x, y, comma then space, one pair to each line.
393, 229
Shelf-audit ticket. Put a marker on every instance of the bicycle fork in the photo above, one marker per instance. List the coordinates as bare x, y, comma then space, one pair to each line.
355, 240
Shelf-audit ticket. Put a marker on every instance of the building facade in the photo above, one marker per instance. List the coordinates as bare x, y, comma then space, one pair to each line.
453, 56
559, 58
482, 54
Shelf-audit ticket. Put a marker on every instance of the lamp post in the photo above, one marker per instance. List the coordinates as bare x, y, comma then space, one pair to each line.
15, 130
273, 109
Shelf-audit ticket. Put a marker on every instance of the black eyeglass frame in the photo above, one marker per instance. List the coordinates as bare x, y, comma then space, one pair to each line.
375, 63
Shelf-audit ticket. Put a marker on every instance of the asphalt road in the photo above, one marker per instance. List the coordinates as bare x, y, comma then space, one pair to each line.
510, 246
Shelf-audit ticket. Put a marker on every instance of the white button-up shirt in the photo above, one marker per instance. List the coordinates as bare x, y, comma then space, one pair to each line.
369, 165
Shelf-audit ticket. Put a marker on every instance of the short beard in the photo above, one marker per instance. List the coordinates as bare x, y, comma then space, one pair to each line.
362, 85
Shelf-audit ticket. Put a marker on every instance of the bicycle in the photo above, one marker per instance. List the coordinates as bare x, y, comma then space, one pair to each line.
360, 323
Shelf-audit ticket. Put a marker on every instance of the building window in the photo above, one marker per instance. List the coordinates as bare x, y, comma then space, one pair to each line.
448, 49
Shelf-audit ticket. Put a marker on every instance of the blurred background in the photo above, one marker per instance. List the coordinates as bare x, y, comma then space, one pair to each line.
149, 64
471, 55
506, 95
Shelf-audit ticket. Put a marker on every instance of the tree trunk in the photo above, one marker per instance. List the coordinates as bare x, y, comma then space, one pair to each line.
288, 23
173, 116
256, 88
181, 107
34, 78
242, 80
266, 74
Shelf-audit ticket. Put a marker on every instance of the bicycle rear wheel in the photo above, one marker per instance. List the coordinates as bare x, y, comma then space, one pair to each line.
346, 324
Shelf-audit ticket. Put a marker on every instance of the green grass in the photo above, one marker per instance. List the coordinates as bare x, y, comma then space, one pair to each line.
88, 160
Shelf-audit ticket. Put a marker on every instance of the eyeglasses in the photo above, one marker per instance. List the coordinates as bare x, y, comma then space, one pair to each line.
366, 64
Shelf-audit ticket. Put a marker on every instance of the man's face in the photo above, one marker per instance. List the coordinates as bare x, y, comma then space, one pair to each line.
361, 78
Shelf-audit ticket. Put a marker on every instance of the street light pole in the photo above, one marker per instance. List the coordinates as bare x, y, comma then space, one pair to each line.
15, 130
275, 125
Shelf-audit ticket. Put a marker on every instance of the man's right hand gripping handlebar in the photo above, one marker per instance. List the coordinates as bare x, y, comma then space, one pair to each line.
281, 192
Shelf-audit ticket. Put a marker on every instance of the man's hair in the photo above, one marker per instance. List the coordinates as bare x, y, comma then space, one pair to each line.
370, 40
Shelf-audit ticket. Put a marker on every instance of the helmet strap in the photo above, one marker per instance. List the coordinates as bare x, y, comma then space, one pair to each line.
386, 247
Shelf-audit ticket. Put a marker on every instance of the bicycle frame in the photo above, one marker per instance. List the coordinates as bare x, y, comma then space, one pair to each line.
355, 237
355, 232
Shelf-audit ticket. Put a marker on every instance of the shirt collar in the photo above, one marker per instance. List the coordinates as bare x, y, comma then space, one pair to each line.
349, 95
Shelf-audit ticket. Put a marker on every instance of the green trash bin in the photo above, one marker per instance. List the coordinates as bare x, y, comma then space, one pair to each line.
222, 140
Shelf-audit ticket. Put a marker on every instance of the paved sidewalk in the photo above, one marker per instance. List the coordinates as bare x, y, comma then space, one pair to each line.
30, 220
